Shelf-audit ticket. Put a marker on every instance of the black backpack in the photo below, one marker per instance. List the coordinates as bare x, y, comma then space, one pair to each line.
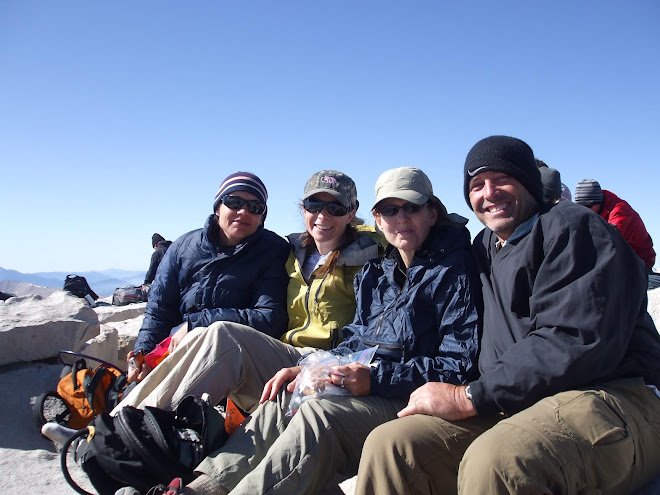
129, 294
146, 447
78, 286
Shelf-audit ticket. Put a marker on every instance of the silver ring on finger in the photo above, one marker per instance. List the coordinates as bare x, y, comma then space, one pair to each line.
341, 384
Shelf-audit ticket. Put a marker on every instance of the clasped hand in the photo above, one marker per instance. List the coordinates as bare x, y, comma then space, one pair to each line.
353, 377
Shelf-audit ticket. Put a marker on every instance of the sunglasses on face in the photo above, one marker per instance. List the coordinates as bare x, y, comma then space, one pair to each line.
393, 210
335, 209
236, 203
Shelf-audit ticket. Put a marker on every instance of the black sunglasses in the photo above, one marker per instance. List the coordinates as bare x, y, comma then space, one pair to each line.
335, 209
236, 203
393, 210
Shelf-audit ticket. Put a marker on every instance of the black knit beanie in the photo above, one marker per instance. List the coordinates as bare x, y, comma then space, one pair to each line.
551, 180
503, 154
155, 239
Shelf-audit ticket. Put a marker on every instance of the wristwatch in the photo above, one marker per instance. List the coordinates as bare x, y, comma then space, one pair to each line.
468, 393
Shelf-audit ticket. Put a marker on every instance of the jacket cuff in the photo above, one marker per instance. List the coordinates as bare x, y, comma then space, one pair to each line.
481, 400
374, 384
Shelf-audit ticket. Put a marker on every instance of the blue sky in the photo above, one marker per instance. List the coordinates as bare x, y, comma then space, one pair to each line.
120, 119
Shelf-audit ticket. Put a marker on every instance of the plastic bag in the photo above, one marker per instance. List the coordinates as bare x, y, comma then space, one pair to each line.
315, 371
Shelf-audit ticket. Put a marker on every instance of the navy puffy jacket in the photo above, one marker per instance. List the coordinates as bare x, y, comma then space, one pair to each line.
201, 282
428, 329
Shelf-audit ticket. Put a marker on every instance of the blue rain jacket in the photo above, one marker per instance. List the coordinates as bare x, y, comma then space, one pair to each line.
426, 329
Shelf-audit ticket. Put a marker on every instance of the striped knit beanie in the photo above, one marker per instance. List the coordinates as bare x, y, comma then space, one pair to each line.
588, 192
241, 181
507, 155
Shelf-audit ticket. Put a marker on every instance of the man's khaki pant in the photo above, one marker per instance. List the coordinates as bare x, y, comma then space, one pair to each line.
598, 440
224, 359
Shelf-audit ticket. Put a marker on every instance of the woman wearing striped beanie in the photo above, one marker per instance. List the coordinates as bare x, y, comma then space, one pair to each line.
232, 269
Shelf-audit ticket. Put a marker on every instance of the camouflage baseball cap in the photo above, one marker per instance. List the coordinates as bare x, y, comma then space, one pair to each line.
340, 185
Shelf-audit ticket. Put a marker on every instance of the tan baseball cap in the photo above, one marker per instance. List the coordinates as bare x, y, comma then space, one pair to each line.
407, 183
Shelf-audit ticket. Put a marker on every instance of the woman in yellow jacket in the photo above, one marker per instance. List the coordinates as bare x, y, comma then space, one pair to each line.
323, 302
228, 359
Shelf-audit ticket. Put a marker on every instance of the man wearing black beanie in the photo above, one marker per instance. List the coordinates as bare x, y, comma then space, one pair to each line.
567, 400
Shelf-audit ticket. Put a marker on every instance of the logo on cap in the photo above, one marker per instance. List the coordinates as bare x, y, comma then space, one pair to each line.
475, 171
329, 179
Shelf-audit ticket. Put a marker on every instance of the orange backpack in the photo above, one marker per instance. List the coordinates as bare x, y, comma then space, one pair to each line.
89, 393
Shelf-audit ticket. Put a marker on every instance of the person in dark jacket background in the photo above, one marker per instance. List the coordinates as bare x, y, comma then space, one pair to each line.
418, 305
160, 246
569, 359
233, 269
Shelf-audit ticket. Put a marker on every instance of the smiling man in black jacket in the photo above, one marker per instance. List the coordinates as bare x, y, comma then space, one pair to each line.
570, 359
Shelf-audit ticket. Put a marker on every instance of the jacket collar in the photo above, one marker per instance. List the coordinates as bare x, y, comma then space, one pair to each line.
211, 237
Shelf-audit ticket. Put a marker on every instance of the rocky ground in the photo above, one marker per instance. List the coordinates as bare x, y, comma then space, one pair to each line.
30, 463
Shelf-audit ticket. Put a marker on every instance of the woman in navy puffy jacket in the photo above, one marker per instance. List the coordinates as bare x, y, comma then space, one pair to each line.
233, 269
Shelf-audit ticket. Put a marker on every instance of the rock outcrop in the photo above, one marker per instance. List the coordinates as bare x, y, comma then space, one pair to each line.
35, 327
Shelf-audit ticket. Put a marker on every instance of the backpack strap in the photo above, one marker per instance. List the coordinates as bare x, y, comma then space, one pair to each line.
77, 366
141, 450
115, 391
63, 455
91, 384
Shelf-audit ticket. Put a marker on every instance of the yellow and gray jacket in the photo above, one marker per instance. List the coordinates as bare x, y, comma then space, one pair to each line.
320, 307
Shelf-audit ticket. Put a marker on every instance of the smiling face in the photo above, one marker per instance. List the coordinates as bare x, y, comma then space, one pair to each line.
326, 230
406, 231
500, 202
236, 225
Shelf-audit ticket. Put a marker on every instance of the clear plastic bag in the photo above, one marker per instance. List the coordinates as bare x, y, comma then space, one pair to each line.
315, 371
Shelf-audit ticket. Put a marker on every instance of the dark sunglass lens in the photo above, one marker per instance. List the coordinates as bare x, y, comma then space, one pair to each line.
411, 207
336, 209
313, 206
388, 211
254, 206
233, 202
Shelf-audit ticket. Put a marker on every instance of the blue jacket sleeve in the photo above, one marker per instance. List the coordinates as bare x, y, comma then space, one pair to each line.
268, 312
162, 313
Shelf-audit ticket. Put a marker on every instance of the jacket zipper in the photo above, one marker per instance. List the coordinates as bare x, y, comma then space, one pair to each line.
308, 312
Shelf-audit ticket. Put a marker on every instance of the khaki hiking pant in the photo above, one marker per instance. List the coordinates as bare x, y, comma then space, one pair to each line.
601, 440
272, 453
224, 360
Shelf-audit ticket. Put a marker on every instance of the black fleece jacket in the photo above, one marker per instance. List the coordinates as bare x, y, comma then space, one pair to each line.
564, 308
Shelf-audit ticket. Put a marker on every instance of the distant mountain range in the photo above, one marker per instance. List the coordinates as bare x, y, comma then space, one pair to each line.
102, 282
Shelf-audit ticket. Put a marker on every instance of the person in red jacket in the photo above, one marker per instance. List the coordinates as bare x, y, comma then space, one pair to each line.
620, 214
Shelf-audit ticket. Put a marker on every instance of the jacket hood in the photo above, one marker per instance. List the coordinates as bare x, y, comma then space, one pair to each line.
364, 248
